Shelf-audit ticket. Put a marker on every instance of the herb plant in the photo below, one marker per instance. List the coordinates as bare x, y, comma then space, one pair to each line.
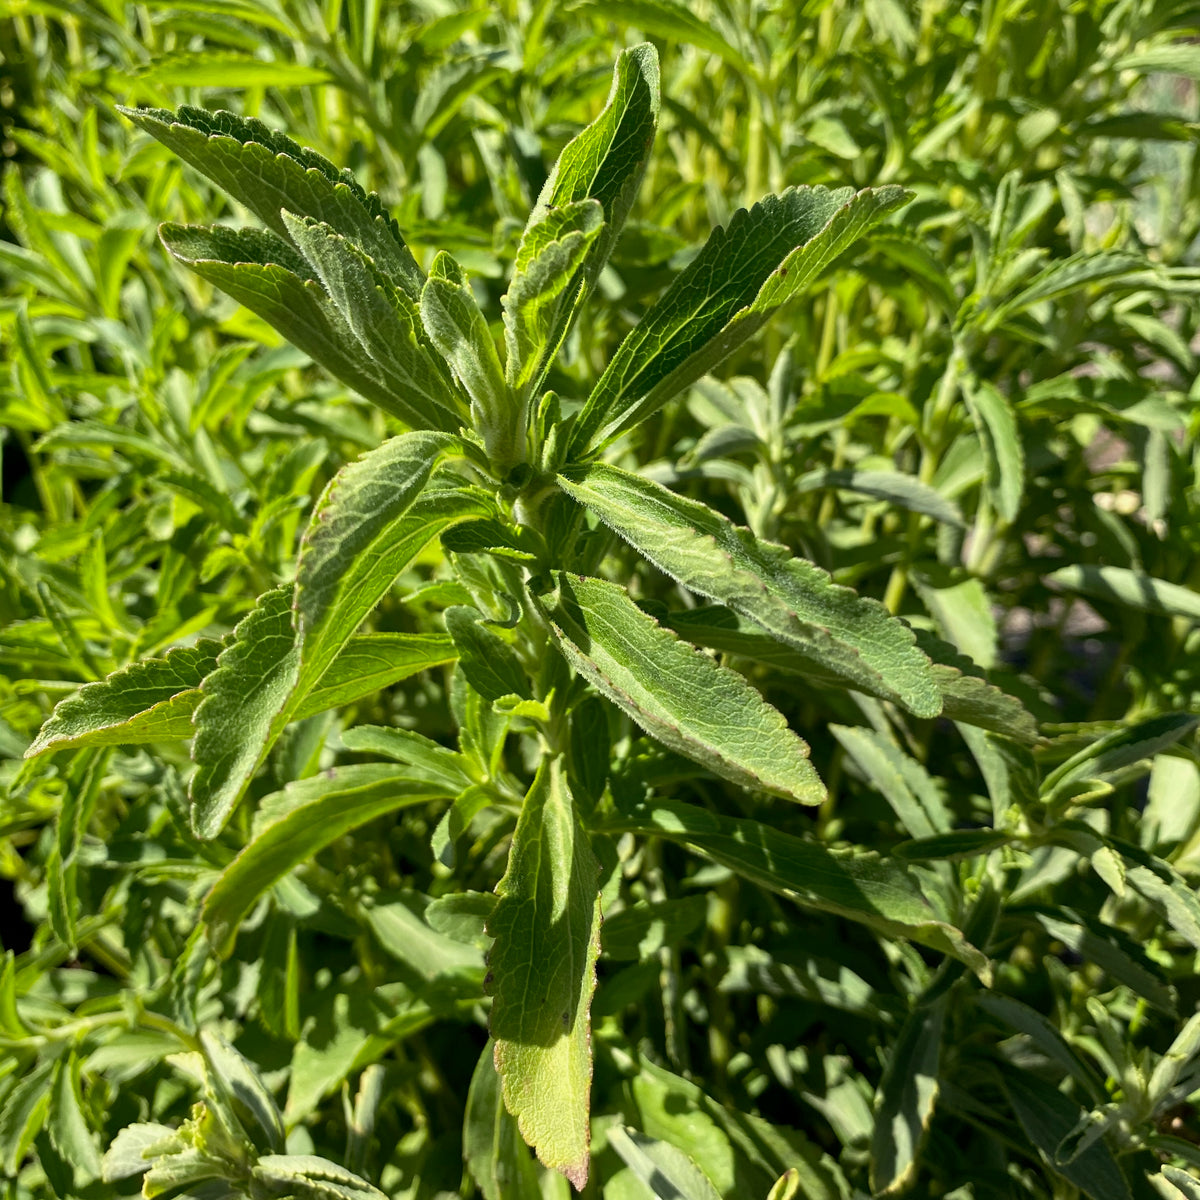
692, 776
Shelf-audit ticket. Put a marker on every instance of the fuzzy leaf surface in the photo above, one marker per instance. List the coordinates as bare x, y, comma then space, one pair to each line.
738, 281
268, 172
543, 965
793, 600
677, 693
384, 320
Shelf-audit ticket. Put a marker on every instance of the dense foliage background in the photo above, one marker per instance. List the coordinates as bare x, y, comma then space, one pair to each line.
984, 416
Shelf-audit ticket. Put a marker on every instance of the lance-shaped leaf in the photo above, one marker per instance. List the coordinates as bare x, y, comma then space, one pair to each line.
139, 703
796, 602
499, 1160
741, 278
996, 424
677, 693
266, 274
1132, 589
460, 332
857, 884
367, 526
544, 288
153, 701
542, 974
385, 320
268, 172
295, 824
604, 163
242, 700
490, 664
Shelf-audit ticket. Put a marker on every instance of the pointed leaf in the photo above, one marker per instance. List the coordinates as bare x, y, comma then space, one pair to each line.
295, 824
241, 702
307, 1177
741, 278
878, 892
677, 693
460, 332
605, 163
139, 703
266, 274
905, 1099
385, 321
243, 1090
996, 424
490, 664
793, 600
67, 1126
543, 972
665, 1170
544, 287
268, 172
904, 491
1133, 589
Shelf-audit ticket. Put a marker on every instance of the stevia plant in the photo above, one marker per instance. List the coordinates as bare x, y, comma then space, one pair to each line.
507, 474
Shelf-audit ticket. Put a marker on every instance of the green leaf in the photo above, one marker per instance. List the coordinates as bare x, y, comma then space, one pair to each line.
239, 715
849, 636
962, 609
1047, 1116
265, 274
905, 1099
307, 1177
667, 1172
637, 933
23, 1114
604, 163
126, 1156
143, 702
268, 172
490, 664
543, 968
67, 1127
996, 424
900, 779
1129, 588
740, 279
370, 662
877, 892
386, 323
460, 333
498, 1159
295, 824
669, 19
543, 290
904, 491
1061, 278
1175, 58
959, 843
243, 1091
435, 762
677, 693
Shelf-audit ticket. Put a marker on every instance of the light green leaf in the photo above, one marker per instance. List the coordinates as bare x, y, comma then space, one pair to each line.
673, 20
139, 703
637, 933
1061, 278
878, 892
851, 637
543, 966
677, 693
238, 716
605, 163
265, 273
962, 609
126, 1156
225, 70
268, 172
666, 1171
370, 662
741, 278
298, 822
243, 1091
1187, 1187
490, 664
385, 321
904, 491
1175, 58
543, 290
460, 333
307, 1177
1133, 589
499, 1161
23, 1114
905, 1100
996, 424
67, 1127
901, 780
436, 762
